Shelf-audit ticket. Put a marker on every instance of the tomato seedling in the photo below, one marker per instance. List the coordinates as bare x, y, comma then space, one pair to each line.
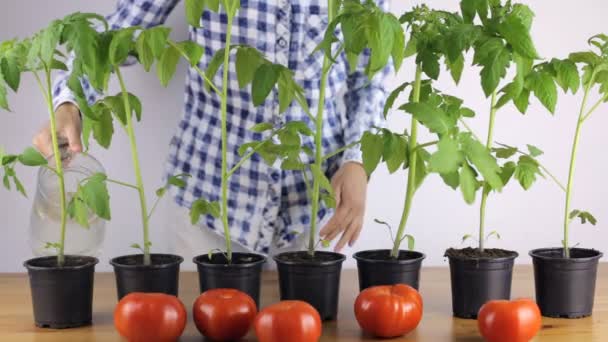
40, 55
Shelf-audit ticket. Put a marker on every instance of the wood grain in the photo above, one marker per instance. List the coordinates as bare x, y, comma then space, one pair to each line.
437, 325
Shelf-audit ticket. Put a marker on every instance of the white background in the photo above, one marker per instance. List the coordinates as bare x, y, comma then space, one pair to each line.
439, 217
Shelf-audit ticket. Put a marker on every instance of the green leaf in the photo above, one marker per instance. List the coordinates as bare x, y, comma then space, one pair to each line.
194, 11
10, 71
435, 119
19, 186
325, 243
3, 99
584, 216
390, 100
135, 106
567, 75
166, 66
586, 57
78, 211
518, 36
328, 199
526, 171
156, 39
178, 180
448, 157
522, 101
483, 160
451, 179
121, 44
102, 129
468, 183
248, 60
96, 196
49, 41
493, 233
421, 169
507, 171
466, 237
494, 58
372, 147
299, 127
320, 177
380, 37
470, 8
265, 78
192, 50
534, 151
262, 127
395, 151
456, 67
214, 64
544, 88
411, 242
504, 152
430, 63
203, 207
31, 157
136, 246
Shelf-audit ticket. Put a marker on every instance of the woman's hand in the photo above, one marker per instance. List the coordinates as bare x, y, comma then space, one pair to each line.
350, 187
69, 127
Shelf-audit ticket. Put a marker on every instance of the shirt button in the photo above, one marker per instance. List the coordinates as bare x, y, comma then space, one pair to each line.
282, 42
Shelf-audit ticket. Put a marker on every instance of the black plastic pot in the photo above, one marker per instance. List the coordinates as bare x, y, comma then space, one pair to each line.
62, 297
565, 288
242, 274
376, 267
476, 281
161, 276
313, 280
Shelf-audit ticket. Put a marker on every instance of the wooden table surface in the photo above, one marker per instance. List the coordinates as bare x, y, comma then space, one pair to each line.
437, 325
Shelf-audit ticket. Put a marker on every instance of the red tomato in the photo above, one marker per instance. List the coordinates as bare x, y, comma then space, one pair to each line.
224, 314
509, 321
288, 321
144, 317
388, 311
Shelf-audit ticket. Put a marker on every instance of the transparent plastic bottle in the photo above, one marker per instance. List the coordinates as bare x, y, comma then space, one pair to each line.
45, 218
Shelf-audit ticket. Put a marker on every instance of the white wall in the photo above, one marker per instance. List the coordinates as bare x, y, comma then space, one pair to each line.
439, 216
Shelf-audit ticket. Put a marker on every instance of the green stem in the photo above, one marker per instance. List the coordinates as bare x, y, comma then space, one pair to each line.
484, 193
577, 133
427, 144
58, 169
224, 113
595, 106
196, 68
464, 123
342, 149
319, 140
138, 178
411, 175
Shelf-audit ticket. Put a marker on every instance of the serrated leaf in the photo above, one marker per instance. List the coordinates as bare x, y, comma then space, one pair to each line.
248, 60
390, 100
514, 30
192, 50
434, 118
120, 46
203, 207
451, 179
468, 183
448, 157
265, 78
194, 11
372, 147
10, 73
544, 88
526, 171
522, 101
494, 58
534, 151
567, 75
395, 152
166, 66
156, 39
262, 127
483, 160
31, 157
214, 64
504, 152
95, 195
506, 172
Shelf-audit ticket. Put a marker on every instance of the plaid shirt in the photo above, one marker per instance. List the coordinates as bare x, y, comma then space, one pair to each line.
267, 205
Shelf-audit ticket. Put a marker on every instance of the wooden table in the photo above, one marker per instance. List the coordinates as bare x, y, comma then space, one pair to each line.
437, 325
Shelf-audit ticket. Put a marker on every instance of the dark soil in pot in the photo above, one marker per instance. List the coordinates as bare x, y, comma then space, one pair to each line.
376, 267
565, 287
478, 277
243, 273
62, 297
161, 276
315, 280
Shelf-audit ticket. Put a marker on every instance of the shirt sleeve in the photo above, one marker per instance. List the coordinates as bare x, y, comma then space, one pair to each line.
364, 102
145, 13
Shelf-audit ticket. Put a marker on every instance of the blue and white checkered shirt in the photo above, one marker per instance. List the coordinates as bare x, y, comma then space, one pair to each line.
267, 206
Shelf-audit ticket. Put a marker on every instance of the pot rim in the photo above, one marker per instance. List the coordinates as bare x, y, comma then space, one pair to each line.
534, 254
486, 259
178, 260
357, 256
340, 259
198, 260
91, 262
